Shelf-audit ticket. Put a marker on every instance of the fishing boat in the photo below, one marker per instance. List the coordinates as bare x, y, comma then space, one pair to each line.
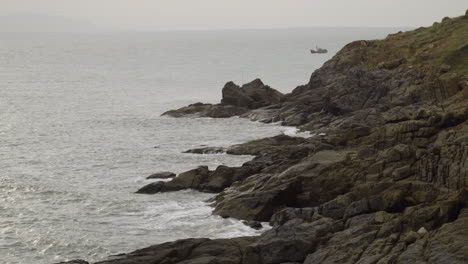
318, 50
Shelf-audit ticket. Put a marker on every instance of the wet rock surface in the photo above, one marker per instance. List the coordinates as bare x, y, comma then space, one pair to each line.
383, 181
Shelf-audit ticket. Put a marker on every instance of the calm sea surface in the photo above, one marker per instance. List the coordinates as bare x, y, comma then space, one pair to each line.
80, 129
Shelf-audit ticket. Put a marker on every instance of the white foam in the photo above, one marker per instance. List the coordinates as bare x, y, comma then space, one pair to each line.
295, 132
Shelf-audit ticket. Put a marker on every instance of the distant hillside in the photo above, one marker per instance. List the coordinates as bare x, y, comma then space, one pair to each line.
43, 23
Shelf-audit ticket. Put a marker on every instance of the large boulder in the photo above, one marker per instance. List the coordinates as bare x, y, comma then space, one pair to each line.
251, 95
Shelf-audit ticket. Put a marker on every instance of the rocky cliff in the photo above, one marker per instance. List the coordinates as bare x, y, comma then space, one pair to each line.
386, 180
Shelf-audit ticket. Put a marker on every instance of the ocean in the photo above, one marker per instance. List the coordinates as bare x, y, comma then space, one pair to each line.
80, 129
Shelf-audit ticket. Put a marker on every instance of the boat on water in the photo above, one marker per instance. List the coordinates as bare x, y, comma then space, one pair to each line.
318, 50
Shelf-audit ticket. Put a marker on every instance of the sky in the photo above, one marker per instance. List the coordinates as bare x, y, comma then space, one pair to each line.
239, 14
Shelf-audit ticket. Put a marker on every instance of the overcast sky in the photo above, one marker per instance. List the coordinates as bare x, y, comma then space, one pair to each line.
228, 14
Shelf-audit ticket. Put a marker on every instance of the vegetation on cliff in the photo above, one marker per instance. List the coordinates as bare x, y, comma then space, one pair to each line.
442, 45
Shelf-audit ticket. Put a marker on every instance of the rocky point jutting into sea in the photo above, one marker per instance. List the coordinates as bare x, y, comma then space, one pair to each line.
383, 181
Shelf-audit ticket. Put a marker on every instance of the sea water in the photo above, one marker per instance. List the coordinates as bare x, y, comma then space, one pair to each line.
80, 129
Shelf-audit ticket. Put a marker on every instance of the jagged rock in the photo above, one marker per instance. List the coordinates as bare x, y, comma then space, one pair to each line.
162, 175
233, 95
251, 95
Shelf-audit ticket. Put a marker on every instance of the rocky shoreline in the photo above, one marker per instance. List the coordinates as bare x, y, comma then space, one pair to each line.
384, 181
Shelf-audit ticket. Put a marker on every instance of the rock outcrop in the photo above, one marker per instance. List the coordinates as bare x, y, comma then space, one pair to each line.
235, 101
202, 179
194, 251
251, 95
384, 181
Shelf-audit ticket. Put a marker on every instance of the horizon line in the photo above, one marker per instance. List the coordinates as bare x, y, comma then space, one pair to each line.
108, 30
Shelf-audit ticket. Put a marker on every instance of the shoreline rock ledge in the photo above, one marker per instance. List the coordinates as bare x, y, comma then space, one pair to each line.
235, 101
386, 182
